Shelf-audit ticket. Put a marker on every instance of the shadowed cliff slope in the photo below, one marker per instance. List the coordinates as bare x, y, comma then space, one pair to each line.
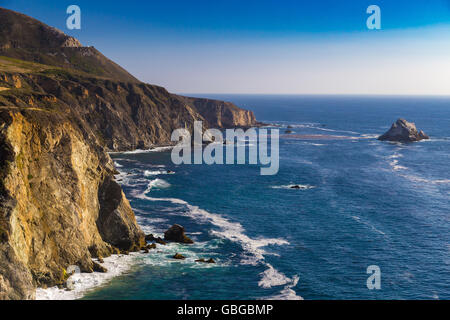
62, 108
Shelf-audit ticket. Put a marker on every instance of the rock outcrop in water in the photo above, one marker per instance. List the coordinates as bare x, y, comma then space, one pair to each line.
62, 108
403, 131
176, 234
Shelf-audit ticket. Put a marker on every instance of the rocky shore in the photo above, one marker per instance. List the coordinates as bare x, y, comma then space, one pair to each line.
62, 109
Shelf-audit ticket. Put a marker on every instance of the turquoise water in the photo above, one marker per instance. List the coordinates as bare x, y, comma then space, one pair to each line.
368, 203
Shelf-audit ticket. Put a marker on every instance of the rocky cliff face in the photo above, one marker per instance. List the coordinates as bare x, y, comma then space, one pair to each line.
62, 108
124, 115
220, 114
60, 204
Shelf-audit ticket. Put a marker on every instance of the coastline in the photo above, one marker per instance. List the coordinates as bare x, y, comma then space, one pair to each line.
117, 264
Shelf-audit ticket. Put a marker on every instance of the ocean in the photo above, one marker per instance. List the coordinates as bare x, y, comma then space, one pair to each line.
363, 202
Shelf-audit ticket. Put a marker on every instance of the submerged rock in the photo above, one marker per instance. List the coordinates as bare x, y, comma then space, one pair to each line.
161, 241
151, 238
210, 260
176, 234
403, 131
288, 132
179, 256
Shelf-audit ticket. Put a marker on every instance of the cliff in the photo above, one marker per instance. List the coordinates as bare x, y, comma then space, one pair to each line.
123, 115
59, 202
62, 108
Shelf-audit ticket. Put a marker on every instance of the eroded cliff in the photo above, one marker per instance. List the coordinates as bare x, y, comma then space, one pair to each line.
123, 115
62, 108
57, 208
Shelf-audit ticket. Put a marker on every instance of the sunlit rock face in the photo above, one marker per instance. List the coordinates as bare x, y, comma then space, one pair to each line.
403, 131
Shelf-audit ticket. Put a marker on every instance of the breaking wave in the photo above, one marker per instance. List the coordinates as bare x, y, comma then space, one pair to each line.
149, 173
156, 149
84, 282
234, 231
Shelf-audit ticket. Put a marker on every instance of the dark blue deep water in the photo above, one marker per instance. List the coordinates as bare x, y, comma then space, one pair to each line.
365, 202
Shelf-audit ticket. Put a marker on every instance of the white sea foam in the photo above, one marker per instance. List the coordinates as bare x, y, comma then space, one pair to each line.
332, 130
311, 125
395, 166
287, 293
414, 178
118, 165
129, 179
84, 282
395, 156
233, 231
149, 173
163, 256
229, 230
369, 136
272, 278
313, 144
358, 219
156, 149
157, 184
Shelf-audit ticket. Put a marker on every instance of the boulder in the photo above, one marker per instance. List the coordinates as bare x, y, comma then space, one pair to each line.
403, 131
176, 234
179, 256
151, 238
210, 260
160, 241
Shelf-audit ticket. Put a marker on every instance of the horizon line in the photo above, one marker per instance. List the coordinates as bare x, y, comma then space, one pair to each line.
447, 95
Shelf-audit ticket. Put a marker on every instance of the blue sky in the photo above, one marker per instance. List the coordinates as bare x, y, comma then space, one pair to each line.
247, 46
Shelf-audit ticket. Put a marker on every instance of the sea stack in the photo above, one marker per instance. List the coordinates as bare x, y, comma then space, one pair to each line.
176, 234
403, 131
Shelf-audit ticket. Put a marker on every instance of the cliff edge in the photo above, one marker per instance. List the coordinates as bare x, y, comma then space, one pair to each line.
63, 107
